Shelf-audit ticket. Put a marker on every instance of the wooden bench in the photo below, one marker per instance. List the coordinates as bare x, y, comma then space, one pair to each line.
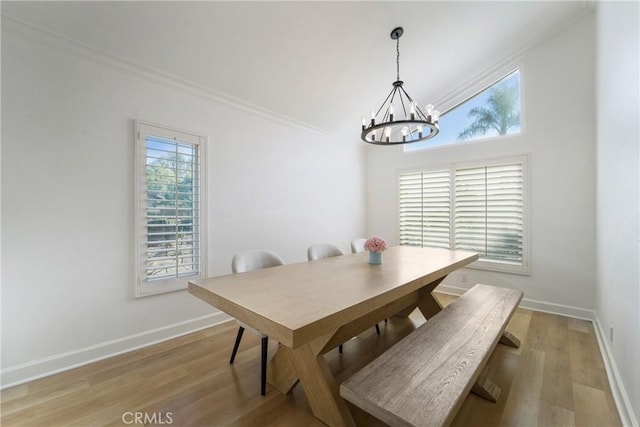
424, 378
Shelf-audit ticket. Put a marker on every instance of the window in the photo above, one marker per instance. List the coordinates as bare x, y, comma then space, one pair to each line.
170, 226
476, 207
425, 200
495, 111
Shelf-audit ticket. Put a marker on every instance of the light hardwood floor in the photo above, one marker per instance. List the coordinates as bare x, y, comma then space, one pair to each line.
556, 378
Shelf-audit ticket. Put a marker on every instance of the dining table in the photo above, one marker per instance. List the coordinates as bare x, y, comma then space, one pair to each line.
311, 307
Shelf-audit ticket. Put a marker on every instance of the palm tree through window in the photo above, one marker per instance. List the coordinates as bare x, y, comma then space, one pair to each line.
493, 112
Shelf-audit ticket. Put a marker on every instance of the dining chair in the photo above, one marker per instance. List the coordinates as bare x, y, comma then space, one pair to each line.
250, 261
327, 250
322, 251
357, 245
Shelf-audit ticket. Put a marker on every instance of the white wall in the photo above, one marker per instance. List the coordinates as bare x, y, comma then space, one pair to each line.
68, 199
618, 192
558, 135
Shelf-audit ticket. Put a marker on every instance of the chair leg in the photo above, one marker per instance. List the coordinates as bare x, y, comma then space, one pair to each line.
263, 373
237, 344
340, 348
377, 329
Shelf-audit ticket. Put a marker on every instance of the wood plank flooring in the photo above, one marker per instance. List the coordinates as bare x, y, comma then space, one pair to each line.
556, 378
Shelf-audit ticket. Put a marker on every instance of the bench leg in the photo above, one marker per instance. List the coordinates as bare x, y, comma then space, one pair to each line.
509, 339
486, 389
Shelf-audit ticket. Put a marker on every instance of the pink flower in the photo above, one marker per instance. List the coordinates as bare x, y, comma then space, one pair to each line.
375, 244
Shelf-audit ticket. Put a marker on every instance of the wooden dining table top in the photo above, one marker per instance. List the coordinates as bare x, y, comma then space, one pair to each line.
295, 303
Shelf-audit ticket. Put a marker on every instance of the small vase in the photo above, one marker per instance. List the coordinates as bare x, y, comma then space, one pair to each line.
375, 258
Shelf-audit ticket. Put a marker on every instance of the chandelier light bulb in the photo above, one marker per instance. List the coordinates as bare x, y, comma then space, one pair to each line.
429, 110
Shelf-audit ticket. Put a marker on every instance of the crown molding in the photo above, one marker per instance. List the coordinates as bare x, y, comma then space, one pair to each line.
11, 25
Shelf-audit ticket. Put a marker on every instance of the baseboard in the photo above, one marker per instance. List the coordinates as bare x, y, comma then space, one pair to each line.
620, 396
36, 369
543, 306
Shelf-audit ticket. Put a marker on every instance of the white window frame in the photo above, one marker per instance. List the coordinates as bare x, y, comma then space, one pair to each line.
143, 286
483, 264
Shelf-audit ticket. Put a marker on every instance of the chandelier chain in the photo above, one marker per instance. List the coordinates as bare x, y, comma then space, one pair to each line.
398, 58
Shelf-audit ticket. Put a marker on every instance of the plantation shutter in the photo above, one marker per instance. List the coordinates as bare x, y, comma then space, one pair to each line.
171, 242
425, 212
489, 212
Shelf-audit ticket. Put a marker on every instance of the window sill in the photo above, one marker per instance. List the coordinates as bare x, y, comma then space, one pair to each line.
501, 267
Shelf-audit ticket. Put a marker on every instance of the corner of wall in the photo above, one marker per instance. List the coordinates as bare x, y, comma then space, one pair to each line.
620, 396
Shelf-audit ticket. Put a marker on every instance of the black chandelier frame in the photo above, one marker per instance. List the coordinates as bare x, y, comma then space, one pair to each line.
414, 126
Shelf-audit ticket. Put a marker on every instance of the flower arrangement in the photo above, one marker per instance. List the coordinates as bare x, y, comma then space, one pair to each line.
375, 244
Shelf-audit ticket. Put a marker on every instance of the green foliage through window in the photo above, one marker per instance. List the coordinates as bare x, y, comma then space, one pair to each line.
172, 208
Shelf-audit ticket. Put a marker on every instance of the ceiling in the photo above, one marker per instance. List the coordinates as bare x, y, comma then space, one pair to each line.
324, 64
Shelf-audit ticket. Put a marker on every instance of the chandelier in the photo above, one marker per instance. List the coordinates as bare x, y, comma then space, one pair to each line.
399, 120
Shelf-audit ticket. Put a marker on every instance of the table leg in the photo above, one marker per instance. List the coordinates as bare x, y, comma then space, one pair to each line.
281, 373
404, 313
429, 306
320, 387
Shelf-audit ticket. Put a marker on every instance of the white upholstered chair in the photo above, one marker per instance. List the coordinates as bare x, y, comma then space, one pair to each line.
250, 261
326, 250
322, 251
357, 245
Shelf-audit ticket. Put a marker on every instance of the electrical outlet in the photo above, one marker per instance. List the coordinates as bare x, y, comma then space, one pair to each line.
610, 333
